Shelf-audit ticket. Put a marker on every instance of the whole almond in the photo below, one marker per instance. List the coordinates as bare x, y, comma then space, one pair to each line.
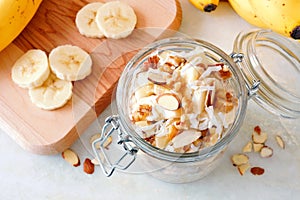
71, 157
88, 166
257, 171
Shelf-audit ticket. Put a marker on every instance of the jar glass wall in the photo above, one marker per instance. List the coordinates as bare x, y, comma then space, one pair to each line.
170, 166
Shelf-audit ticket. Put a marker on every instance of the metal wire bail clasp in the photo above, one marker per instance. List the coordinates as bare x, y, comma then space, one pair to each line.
112, 125
237, 57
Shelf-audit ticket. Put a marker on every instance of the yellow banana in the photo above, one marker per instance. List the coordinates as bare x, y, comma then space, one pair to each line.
244, 9
282, 16
14, 16
205, 5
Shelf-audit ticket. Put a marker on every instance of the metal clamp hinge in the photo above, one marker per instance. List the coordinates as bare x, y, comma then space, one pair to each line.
129, 147
237, 57
254, 88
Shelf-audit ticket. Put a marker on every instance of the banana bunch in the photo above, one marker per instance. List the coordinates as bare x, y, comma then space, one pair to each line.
281, 16
205, 5
14, 16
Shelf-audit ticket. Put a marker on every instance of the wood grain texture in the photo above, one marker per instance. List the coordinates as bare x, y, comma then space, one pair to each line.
49, 132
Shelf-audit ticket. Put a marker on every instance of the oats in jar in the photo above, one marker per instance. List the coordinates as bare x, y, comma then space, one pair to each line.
183, 102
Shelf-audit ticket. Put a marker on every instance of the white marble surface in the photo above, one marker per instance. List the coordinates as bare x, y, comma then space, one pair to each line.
27, 176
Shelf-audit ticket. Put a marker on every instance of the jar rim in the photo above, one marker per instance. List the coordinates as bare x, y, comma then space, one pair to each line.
266, 55
172, 156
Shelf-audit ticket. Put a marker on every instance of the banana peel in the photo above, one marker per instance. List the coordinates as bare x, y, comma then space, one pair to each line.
14, 17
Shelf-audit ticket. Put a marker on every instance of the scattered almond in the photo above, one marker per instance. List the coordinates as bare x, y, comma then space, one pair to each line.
95, 161
259, 138
71, 157
95, 137
243, 168
88, 166
257, 147
280, 141
107, 142
144, 91
266, 152
257, 170
257, 129
157, 78
168, 101
239, 159
248, 147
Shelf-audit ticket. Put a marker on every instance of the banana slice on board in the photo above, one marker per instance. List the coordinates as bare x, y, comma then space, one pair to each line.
70, 63
31, 69
116, 19
85, 20
53, 94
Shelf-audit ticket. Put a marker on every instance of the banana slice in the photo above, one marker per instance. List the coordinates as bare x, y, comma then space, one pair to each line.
116, 19
70, 63
85, 20
53, 94
31, 69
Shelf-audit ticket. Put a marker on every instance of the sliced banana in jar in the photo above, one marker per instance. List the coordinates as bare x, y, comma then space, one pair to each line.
53, 94
31, 69
116, 19
70, 62
86, 20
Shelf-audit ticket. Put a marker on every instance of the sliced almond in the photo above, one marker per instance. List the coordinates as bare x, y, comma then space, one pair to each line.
88, 166
95, 161
162, 141
144, 91
107, 142
257, 171
157, 78
71, 157
172, 132
141, 123
169, 114
186, 137
248, 147
239, 159
95, 137
191, 74
243, 168
257, 147
158, 89
280, 141
259, 138
266, 152
257, 129
168, 101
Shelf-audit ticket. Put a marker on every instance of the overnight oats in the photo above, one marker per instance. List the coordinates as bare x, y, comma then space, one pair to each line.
179, 103
182, 102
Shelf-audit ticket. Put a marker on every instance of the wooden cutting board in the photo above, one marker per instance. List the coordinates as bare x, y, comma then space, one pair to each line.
49, 132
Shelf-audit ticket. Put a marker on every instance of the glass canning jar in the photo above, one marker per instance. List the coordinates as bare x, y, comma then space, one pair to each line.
257, 63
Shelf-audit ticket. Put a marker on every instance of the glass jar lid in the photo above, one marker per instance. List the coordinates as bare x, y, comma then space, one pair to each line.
271, 69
